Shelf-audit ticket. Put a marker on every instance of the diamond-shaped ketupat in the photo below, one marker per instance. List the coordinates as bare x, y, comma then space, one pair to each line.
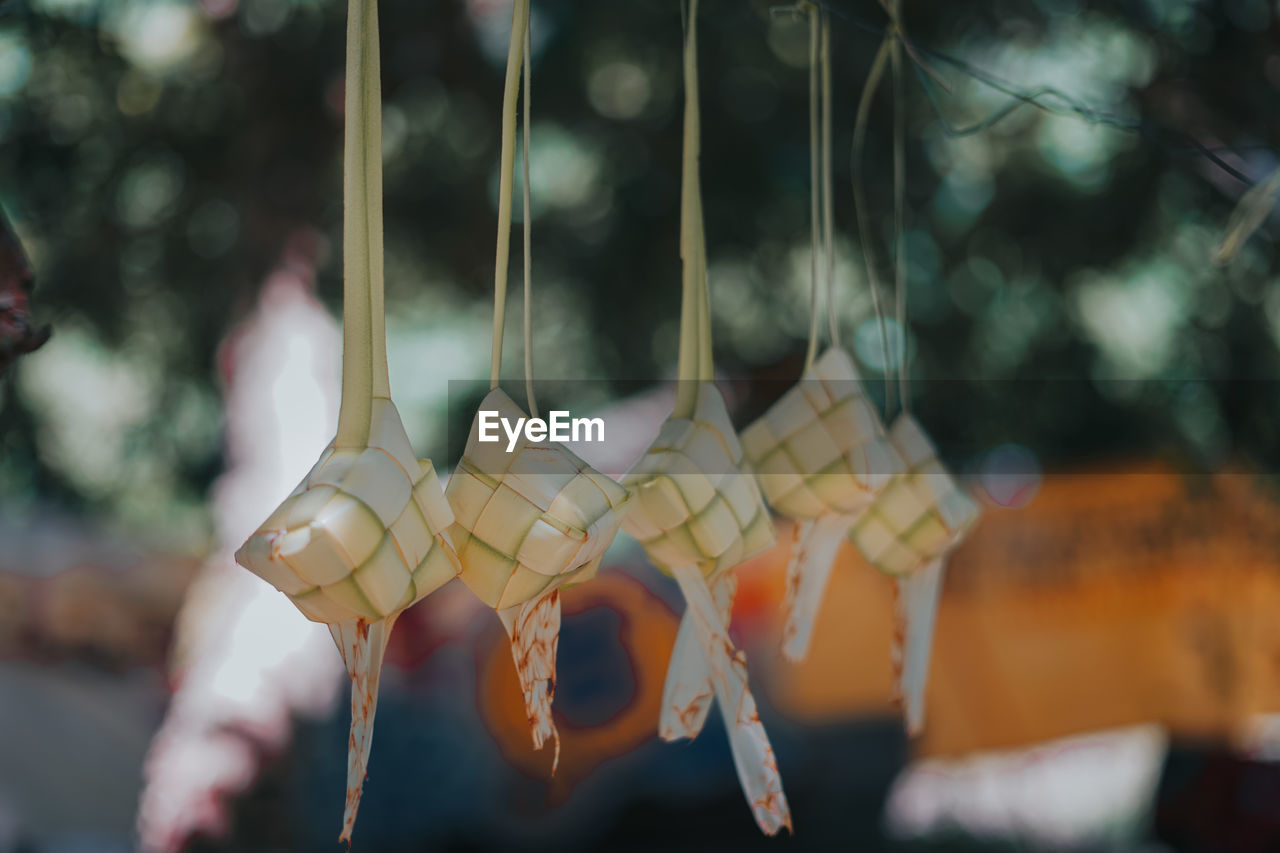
821, 449
365, 534
919, 518
696, 502
920, 515
822, 457
363, 537
533, 519
528, 522
698, 513
359, 538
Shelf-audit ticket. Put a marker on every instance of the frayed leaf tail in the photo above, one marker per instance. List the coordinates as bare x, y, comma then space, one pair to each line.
918, 596
534, 629
753, 757
813, 553
363, 645
687, 693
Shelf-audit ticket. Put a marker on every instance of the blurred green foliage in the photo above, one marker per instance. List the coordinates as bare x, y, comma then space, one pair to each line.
160, 157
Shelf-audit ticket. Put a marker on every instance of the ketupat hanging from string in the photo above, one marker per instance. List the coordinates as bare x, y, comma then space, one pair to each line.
364, 535
919, 518
820, 452
698, 514
532, 520
922, 514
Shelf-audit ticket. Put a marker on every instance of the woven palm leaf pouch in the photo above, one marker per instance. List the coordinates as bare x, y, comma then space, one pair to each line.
918, 519
532, 517
696, 501
528, 522
820, 452
922, 514
365, 534
698, 512
821, 456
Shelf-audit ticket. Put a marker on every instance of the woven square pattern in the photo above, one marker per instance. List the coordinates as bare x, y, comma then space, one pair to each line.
697, 502
821, 448
529, 520
363, 535
921, 515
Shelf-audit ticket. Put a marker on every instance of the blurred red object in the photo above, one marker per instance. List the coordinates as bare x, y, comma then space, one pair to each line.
17, 333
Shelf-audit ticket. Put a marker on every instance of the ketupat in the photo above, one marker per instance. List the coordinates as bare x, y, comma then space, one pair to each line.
821, 456
698, 512
526, 518
360, 538
534, 519
821, 448
364, 535
919, 518
921, 515
820, 452
527, 523
695, 503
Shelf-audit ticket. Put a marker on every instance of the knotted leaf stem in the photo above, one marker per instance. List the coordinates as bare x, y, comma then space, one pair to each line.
860, 200
828, 205
695, 361
821, 206
364, 346
510, 94
899, 205
815, 245
527, 223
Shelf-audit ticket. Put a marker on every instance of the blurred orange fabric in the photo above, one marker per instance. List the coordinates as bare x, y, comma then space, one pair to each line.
1112, 599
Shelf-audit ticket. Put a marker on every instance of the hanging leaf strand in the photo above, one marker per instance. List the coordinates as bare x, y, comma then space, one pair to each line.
506, 181
695, 363
363, 536
364, 350
535, 518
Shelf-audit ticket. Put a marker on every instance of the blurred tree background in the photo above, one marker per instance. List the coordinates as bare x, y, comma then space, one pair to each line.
160, 158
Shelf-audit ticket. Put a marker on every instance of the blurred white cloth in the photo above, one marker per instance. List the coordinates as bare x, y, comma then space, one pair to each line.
1088, 791
245, 659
